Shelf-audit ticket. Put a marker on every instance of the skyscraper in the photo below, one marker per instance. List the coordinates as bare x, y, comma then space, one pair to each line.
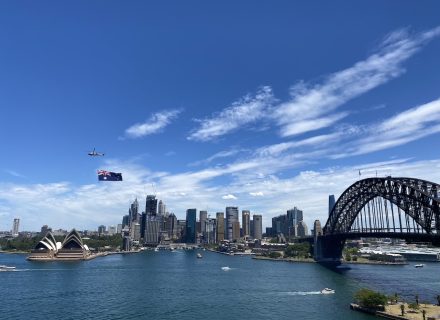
317, 230
151, 205
15, 227
203, 215
161, 209
171, 226
246, 222
301, 229
294, 216
190, 232
133, 212
258, 226
220, 228
101, 229
231, 218
210, 234
331, 203
152, 230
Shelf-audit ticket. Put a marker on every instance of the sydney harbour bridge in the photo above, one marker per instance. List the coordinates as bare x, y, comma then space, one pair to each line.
404, 208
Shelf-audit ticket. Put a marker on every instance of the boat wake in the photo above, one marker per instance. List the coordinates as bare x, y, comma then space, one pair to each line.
302, 293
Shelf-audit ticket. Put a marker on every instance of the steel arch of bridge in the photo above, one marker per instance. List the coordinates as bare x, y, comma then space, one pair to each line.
417, 198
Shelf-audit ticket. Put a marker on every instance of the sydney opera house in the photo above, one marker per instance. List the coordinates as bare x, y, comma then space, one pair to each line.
49, 249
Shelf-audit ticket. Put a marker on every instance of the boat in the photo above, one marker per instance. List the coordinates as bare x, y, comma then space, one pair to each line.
156, 249
199, 255
226, 268
327, 291
419, 265
6, 268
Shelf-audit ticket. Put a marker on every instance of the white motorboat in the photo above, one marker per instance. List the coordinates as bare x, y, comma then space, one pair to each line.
199, 255
226, 268
327, 291
419, 265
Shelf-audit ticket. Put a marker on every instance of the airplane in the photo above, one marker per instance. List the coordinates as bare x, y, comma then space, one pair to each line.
95, 154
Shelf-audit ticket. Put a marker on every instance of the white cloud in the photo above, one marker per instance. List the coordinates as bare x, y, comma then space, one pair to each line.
63, 205
218, 155
311, 106
229, 197
246, 110
154, 124
410, 125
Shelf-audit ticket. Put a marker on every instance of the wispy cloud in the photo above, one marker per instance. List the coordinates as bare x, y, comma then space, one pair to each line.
410, 125
218, 155
247, 110
14, 173
315, 104
154, 124
256, 194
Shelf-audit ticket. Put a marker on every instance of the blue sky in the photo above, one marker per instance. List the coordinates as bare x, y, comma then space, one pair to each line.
251, 103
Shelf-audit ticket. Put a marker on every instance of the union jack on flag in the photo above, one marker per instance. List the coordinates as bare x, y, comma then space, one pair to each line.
104, 175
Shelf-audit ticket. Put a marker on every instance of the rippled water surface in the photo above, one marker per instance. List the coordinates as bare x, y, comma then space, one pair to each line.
177, 285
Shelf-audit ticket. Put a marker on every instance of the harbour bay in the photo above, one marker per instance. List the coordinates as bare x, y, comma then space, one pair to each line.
169, 285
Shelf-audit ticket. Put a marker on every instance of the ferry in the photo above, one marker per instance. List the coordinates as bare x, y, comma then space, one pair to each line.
419, 265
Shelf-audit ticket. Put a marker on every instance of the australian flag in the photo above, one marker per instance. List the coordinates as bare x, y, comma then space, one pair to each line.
109, 176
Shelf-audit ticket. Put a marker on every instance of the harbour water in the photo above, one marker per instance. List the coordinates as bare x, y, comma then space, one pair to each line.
177, 285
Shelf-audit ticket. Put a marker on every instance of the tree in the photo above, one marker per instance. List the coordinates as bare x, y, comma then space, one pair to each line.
413, 306
274, 255
370, 299
298, 250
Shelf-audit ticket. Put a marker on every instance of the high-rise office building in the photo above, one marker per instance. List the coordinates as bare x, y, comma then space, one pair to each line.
101, 229
331, 203
161, 209
280, 225
231, 218
171, 226
15, 227
251, 229
45, 229
236, 230
301, 229
111, 230
203, 215
119, 228
190, 230
133, 212
210, 234
136, 231
181, 229
151, 205
246, 222
258, 226
220, 227
143, 224
125, 221
317, 230
294, 216
152, 230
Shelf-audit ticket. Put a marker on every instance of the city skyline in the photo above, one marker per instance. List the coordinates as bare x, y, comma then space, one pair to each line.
263, 114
